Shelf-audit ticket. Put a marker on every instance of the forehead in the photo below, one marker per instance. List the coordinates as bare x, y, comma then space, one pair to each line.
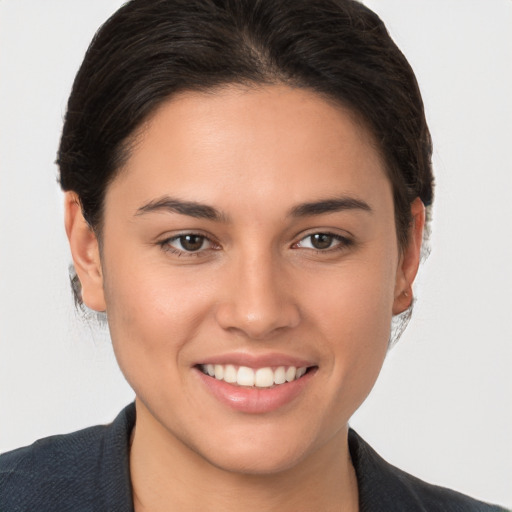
266, 143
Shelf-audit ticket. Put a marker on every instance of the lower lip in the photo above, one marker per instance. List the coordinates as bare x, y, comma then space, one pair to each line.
255, 400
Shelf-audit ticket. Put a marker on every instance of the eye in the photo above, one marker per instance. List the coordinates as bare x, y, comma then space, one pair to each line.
323, 241
187, 243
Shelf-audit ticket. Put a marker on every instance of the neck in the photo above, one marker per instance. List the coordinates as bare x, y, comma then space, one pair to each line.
167, 475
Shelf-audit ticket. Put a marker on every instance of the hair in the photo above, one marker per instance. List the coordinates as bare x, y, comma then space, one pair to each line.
150, 50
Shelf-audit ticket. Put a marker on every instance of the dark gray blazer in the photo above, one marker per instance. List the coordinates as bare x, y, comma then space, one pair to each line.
89, 471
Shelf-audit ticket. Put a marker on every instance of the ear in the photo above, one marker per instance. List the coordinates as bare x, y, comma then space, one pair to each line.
85, 252
409, 259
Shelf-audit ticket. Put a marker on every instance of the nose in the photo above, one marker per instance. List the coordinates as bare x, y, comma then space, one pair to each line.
258, 301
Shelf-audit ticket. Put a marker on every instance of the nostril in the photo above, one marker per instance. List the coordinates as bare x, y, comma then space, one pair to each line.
257, 321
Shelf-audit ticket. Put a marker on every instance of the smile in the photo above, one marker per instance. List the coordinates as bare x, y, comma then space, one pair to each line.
265, 377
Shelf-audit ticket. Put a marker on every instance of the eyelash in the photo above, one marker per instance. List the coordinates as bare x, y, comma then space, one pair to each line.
166, 245
342, 244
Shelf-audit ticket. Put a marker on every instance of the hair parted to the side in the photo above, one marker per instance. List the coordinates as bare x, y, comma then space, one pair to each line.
150, 50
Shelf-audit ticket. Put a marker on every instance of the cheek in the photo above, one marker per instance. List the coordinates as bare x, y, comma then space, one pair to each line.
357, 299
354, 313
145, 295
151, 315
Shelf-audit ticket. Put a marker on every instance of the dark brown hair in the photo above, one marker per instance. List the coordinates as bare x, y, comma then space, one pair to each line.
151, 49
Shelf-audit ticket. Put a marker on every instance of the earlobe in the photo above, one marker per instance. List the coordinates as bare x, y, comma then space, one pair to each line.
410, 259
85, 252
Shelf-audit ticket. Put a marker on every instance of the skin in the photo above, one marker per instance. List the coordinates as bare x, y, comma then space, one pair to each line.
258, 287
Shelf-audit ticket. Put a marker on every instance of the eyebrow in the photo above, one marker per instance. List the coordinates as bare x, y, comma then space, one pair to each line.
190, 208
203, 211
329, 206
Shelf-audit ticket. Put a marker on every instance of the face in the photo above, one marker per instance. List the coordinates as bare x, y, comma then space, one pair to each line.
250, 270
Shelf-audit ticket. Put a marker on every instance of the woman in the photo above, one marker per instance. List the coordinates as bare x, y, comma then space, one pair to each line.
246, 191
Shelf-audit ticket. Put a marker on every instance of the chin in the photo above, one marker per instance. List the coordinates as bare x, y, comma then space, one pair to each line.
260, 451
254, 461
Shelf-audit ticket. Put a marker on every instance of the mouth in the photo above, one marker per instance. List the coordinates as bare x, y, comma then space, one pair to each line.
265, 377
256, 384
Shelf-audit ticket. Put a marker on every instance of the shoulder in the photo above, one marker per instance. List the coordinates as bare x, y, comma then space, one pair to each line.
48, 472
384, 487
67, 472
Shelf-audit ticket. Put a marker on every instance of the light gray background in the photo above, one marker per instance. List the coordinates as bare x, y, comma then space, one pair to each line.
442, 408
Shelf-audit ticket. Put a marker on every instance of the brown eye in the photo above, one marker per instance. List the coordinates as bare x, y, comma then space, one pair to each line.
191, 242
324, 242
188, 243
321, 241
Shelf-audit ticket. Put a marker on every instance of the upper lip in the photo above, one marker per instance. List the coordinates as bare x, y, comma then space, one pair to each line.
257, 361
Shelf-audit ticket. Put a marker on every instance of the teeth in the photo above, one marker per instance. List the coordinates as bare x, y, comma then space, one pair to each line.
300, 372
264, 378
229, 373
260, 378
219, 372
290, 373
245, 376
280, 375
